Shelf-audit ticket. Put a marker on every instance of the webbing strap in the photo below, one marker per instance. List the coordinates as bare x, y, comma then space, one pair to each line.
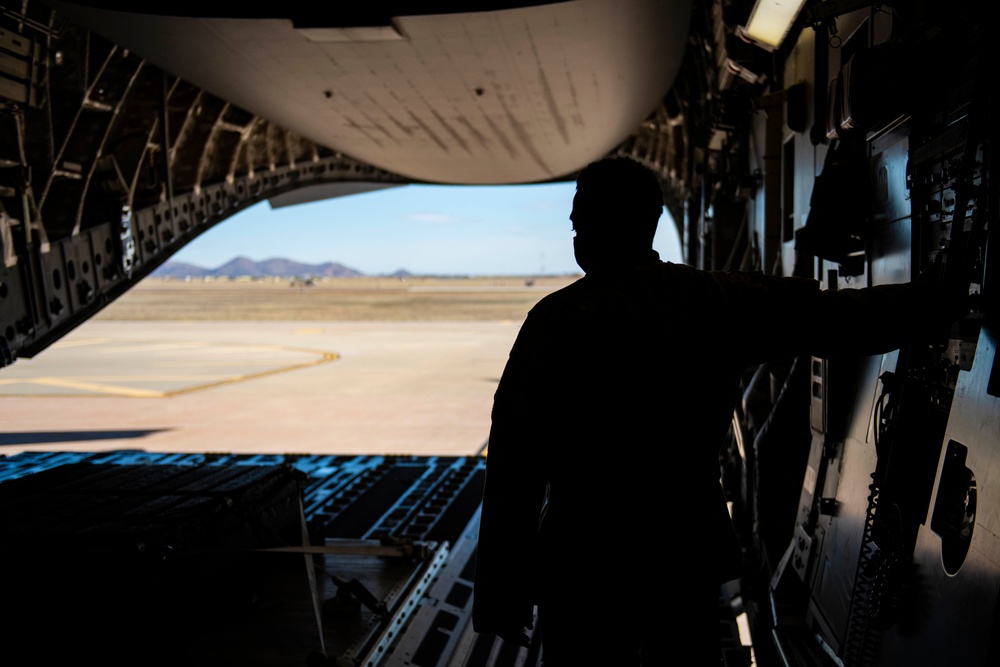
311, 574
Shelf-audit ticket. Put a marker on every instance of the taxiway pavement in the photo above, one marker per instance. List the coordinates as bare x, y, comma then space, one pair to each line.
367, 388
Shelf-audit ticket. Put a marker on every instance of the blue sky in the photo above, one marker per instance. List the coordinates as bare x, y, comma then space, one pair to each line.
443, 230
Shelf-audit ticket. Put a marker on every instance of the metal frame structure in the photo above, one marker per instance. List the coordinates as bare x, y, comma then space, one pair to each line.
855, 153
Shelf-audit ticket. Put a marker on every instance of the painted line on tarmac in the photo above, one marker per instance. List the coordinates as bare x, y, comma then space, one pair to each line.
95, 387
327, 357
80, 343
102, 389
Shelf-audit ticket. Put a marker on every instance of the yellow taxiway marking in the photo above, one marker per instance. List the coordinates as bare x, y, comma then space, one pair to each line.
141, 346
327, 356
109, 379
99, 388
204, 380
215, 364
80, 343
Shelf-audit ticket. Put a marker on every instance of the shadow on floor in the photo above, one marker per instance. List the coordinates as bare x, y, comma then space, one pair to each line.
40, 437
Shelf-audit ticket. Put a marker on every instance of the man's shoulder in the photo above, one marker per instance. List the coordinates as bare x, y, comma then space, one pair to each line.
556, 301
562, 295
682, 281
586, 287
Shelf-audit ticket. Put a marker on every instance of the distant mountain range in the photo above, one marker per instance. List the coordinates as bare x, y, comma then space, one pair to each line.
277, 267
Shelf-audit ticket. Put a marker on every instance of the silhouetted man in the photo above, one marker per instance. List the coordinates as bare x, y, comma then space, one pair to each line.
603, 502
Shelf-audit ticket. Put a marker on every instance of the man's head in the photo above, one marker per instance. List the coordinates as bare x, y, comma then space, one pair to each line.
616, 209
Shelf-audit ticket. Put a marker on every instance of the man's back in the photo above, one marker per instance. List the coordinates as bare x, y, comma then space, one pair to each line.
629, 379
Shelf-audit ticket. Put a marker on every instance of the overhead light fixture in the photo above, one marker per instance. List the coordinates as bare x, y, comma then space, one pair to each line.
770, 21
378, 33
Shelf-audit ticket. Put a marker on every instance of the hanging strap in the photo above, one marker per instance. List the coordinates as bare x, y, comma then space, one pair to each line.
311, 575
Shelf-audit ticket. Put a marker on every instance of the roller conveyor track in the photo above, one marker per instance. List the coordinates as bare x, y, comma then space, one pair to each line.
141, 558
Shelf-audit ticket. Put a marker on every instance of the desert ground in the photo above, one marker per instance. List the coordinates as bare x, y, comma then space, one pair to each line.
366, 299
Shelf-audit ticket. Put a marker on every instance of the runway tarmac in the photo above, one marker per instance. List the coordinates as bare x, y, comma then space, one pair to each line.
365, 388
